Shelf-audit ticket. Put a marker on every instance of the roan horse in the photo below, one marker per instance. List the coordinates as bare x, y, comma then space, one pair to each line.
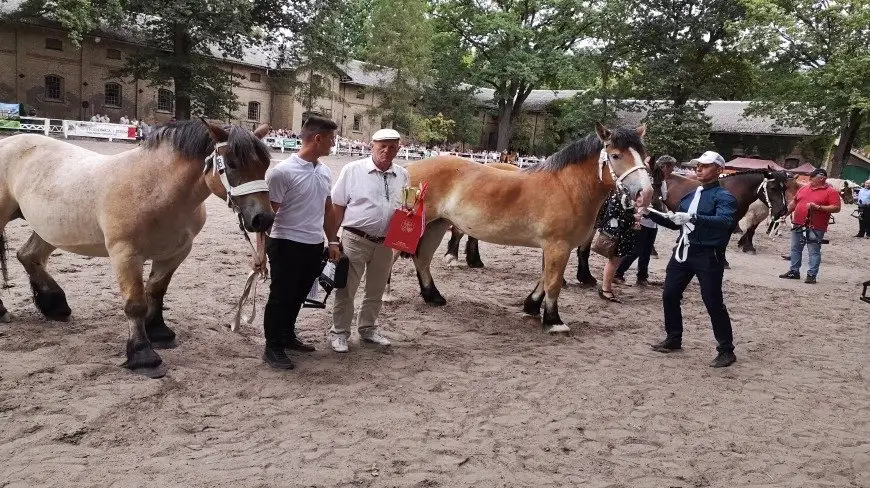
145, 203
747, 186
551, 205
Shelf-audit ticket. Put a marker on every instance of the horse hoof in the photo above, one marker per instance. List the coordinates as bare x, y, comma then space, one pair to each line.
152, 372
450, 260
164, 344
557, 329
434, 299
5, 318
52, 304
475, 264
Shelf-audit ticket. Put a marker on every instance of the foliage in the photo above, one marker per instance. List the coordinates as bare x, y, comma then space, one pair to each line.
516, 46
825, 45
680, 131
433, 130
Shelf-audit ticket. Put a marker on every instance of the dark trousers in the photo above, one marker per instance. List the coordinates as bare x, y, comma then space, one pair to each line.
864, 221
293, 267
644, 240
708, 265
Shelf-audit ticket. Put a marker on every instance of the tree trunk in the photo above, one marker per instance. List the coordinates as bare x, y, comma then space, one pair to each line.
182, 76
848, 134
505, 126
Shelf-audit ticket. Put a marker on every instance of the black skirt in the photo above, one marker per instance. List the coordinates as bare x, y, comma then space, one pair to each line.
619, 222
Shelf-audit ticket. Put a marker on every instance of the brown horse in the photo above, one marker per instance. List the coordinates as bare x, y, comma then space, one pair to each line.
757, 213
552, 206
472, 249
142, 204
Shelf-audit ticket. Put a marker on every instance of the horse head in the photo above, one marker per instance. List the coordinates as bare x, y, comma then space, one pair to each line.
236, 172
626, 153
773, 191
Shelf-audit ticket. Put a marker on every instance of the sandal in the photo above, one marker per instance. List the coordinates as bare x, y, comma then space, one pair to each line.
608, 295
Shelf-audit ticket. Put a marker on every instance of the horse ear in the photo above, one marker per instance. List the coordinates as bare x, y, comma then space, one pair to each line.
603, 132
260, 132
641, 130
217, 133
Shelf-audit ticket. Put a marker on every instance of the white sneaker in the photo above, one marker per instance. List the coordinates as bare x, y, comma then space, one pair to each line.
372, 335
339, 343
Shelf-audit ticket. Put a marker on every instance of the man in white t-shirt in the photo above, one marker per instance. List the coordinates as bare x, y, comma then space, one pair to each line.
299, 191
364, 198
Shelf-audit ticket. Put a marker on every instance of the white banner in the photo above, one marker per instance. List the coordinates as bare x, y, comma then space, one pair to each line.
98, 129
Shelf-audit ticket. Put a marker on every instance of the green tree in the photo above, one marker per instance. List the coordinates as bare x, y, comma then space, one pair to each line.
186, 37
433, 130
400, 40
517, 46
820, 68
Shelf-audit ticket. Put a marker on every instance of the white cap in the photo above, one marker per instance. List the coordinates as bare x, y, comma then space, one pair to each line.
710, 157
386, 135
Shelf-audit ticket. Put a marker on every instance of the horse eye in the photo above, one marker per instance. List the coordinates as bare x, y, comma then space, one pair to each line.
615, 155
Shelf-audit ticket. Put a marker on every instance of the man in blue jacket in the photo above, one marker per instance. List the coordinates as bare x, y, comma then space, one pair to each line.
705, 219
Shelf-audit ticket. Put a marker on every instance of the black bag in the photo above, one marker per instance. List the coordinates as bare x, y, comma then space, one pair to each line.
332, 275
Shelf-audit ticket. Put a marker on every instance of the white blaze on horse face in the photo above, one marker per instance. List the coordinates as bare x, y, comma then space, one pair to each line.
642, 177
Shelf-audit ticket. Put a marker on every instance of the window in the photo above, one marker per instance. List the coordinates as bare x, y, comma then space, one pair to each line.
113, 95
255, 77
357, 123
54, 88
254, 111
165, 101
361, 93
53, 44
113, 54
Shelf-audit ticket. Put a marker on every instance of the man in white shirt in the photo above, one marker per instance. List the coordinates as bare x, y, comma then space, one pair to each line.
299, 192
364, 198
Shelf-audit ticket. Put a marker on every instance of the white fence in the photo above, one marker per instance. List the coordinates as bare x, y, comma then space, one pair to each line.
77, 128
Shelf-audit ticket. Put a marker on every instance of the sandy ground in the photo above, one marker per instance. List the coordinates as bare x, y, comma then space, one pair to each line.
469, 394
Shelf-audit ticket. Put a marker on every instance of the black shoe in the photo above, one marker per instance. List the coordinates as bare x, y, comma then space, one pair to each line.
296, 345
666, 346
277, 358
791, 275
646, 282
723, 360
811, 280
857, 235
619, 279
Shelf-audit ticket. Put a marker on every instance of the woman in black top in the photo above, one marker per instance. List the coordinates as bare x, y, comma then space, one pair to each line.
620, 223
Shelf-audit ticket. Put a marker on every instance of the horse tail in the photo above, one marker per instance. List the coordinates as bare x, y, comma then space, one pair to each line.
4, 270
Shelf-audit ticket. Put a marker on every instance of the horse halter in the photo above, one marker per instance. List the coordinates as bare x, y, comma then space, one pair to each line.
764, 195
216, 161
617, 180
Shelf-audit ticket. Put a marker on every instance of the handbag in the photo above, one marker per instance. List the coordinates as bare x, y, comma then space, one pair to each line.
604, 244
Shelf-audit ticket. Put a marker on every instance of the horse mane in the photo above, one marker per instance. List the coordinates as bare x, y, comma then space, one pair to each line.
778, 175
192, 140
580, 150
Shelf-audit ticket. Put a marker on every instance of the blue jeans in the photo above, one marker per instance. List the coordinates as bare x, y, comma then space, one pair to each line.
814, 250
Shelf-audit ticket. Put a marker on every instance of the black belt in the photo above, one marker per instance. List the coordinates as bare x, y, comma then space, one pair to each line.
376, 240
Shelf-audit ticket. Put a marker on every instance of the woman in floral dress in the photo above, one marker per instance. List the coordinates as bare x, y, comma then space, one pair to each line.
621, 223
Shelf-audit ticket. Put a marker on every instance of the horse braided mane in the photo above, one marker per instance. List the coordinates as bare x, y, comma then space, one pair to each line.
582, 149
192, 140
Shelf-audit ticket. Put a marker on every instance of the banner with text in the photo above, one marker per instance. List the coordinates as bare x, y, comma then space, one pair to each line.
9, 116
99, 129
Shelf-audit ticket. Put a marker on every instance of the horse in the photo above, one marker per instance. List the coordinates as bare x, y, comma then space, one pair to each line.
757, 213
146, 203
551, 206
472, 249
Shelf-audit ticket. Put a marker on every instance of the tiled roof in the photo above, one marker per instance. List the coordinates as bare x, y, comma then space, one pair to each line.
358, 73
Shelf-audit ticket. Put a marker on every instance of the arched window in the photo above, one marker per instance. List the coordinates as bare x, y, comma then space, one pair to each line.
54, 88
165, 101
254, 111
112, 95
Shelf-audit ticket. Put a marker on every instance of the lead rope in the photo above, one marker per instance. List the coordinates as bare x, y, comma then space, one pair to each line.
258, 270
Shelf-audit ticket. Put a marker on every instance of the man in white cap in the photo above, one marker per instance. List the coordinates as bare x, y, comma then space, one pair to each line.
705, 219
364, 198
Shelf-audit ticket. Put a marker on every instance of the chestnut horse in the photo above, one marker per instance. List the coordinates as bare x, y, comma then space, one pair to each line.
551, 205
142, 204
472, 249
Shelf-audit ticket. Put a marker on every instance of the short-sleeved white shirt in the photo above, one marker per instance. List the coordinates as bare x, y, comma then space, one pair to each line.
369, 195
301, 189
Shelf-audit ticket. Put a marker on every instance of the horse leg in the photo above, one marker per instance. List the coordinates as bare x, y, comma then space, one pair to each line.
388, 295
48, 296
555, 261
451, 257
141, 357
747, 239
160, 335
584, 276
472, 253
435, 231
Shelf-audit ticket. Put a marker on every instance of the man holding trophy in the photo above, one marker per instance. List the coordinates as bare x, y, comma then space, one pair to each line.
364, 198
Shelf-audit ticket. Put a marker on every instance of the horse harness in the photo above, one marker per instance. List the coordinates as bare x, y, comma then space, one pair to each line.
258, 267
604, 157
